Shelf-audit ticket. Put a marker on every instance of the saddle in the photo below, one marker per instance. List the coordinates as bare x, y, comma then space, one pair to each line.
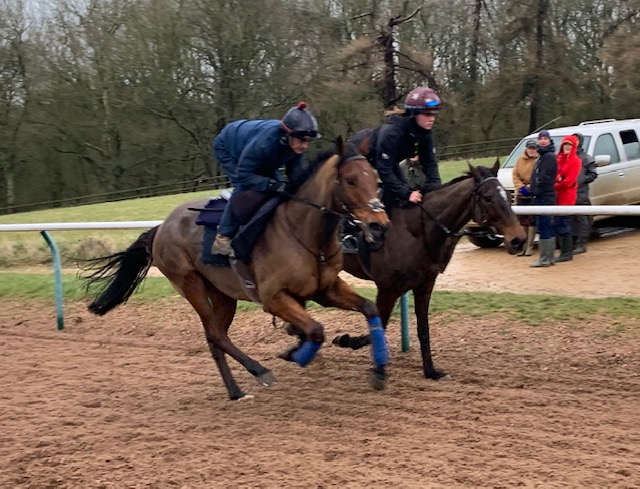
244, 242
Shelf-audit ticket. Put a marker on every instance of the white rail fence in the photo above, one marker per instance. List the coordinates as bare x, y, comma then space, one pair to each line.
44, 228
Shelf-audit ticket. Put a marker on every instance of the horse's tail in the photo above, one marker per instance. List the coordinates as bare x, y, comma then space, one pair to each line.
117, 276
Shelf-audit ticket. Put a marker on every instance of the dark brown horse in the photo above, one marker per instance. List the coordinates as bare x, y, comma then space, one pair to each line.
298, 258
420, 242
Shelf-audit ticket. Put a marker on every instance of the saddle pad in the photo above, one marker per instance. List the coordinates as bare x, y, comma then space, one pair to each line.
246, 238
210, 218
213, 213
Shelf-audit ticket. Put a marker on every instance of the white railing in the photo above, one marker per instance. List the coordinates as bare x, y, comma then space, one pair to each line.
551, 210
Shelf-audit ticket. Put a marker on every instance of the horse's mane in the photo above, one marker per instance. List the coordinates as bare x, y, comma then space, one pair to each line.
482, 170
318, 160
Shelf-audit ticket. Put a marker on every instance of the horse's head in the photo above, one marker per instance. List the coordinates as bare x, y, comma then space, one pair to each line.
358, 192
492, 208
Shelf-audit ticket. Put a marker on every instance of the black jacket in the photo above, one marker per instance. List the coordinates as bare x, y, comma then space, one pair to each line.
398, 139
544, 175
588, 174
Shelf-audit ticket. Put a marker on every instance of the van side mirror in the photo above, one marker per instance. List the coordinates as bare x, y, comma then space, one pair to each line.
603, 160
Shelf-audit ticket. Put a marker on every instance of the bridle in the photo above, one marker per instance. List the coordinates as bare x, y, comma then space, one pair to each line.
478, 214
339, 200
375, 204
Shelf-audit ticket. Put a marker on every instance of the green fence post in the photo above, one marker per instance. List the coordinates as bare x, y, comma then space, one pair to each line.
57, 274
404, 321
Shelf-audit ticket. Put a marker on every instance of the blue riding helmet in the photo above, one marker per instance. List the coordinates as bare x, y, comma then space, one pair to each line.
300, 123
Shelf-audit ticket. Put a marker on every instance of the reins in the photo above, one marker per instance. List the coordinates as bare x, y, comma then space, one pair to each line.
474, 196
322, 259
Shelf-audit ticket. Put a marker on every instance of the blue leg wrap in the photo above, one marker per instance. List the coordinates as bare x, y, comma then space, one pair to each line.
307, 352
379, 347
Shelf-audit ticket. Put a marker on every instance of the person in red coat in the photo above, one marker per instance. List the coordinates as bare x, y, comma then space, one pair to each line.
569, 165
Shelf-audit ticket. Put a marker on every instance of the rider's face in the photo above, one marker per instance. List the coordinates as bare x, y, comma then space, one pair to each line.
425, 121
299, 145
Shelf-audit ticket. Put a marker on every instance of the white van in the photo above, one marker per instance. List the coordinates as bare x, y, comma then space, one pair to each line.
614, 144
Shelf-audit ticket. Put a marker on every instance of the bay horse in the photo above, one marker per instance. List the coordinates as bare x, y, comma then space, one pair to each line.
420, 242
297, 258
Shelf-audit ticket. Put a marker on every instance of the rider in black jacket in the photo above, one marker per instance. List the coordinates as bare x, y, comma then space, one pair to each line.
404, 136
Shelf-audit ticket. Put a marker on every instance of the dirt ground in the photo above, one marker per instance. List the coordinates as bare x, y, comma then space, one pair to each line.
134, 399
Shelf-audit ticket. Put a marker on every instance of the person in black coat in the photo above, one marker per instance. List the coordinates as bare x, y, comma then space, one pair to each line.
543, 179
581, 225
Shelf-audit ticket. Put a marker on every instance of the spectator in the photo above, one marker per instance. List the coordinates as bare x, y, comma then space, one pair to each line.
566, 186
543, 179
251, 152
582, 224
522, 184
404, 136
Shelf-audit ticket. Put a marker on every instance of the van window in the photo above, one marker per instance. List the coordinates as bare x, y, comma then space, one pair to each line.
630, 144
605, 145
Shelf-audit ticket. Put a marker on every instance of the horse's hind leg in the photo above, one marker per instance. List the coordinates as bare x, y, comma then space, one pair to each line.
216, 311
224, 308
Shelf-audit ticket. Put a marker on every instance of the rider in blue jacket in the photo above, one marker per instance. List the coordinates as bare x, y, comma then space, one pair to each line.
251, 152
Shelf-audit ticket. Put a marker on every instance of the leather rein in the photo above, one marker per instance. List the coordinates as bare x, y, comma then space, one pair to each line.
477, 213
322, 258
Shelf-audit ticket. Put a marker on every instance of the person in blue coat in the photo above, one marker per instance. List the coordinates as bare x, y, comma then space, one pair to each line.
251, 152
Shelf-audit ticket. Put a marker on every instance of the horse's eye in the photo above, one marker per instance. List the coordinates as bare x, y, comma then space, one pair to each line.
351, 181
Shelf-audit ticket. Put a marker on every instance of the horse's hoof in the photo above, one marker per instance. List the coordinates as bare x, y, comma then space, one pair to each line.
342, 341
377, 379
266, 379
437, 375
238, 396
287, 355
246, 397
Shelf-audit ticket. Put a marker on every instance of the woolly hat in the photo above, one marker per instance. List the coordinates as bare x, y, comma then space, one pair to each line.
544, 134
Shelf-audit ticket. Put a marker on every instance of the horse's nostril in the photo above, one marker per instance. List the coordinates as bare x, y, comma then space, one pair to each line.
517, 243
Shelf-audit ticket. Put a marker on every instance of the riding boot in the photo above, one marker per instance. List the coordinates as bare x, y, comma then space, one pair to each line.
222, 246
546, 248
531, 236
566, 248
581, 245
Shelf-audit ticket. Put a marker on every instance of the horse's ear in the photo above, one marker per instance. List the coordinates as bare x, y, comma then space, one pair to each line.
496, 166
340, 146
473, 171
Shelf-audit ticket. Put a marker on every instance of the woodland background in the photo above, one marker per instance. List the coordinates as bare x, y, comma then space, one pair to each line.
117, 98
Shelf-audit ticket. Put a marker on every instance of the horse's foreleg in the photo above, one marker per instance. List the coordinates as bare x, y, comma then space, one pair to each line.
385, 302
341, 295
421, 298
290, 310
